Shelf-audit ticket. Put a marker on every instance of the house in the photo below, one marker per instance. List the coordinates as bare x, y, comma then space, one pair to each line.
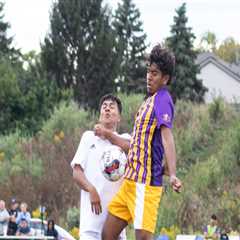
221, 78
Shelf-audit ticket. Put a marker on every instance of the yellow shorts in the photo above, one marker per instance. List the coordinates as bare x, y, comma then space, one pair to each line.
137, 203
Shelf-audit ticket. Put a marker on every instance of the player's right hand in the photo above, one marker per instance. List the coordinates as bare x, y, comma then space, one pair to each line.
176, 184
95, 201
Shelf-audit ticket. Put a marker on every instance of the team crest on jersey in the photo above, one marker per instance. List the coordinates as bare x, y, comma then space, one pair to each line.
92, 146
166, 117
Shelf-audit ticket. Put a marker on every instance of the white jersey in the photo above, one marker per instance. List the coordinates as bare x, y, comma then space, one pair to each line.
88, 155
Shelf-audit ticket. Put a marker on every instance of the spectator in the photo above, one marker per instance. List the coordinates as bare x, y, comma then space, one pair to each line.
224, 235
4, 217
23, 213
13, 213
51, 231
212, 231
23, 228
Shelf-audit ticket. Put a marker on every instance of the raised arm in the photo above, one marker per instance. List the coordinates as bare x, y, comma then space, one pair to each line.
104, 133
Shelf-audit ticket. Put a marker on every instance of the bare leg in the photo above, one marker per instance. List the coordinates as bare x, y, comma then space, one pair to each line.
143, 235
113, 226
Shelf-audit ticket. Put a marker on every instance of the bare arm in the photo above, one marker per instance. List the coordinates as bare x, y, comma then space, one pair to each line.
83, 183
102, 132
165, 168
170, 153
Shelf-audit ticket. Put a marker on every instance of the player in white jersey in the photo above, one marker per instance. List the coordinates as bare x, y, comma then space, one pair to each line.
96, 190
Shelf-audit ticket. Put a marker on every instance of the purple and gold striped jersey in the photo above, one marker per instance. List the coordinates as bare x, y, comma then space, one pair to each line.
146, 151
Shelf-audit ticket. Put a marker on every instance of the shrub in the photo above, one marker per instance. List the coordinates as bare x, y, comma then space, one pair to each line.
171, 232
14, 160
216, 110
73, 216
64, 121
130, 104
75, 232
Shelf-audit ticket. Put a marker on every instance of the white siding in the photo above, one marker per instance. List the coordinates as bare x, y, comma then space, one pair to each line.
218, 83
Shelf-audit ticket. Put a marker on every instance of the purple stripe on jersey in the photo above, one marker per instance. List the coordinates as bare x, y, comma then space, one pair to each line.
157, 156
141, 121
131, 152
130, 156
146, 147
139, 140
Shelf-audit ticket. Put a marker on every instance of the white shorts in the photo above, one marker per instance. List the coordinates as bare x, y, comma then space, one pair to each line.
90, 235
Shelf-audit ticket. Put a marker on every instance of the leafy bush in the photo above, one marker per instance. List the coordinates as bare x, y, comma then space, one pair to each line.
73, 216
16, 161
130, 105
64, 121
75, 232
171, 232
213, 173
216, 110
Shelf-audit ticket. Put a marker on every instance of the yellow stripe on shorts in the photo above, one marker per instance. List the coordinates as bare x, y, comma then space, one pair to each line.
137, 203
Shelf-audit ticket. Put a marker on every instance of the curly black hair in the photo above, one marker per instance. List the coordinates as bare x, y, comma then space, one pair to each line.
164, 59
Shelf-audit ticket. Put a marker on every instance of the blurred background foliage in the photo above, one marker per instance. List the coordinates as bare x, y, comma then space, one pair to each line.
48, 99
37, 169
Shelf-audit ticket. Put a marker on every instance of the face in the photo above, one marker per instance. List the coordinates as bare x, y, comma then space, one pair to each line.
24, 224
109, 114
23, 207
50, 225
155, 79
2, 205
15, 205
213, 222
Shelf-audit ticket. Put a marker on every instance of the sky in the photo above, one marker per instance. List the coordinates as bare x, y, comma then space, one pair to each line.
29, 19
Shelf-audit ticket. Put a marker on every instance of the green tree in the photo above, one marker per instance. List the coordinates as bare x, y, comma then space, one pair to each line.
6, 48
40, 95
229, 50
26, 97
187, 86
131, 47
10, 97
5, 42
209, 42
79, 53
10, 94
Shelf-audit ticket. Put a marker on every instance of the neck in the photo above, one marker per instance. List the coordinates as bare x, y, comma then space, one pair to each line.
110, 126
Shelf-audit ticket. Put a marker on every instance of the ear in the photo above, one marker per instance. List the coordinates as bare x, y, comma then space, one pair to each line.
166, 78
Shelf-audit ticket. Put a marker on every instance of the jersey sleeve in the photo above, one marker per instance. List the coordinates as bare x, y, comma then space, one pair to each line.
80, 157
164, 109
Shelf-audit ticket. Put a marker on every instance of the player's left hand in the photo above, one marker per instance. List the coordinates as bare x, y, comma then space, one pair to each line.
95, 201
176, 184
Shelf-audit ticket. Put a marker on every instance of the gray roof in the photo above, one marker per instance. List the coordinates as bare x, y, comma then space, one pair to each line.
231, 69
